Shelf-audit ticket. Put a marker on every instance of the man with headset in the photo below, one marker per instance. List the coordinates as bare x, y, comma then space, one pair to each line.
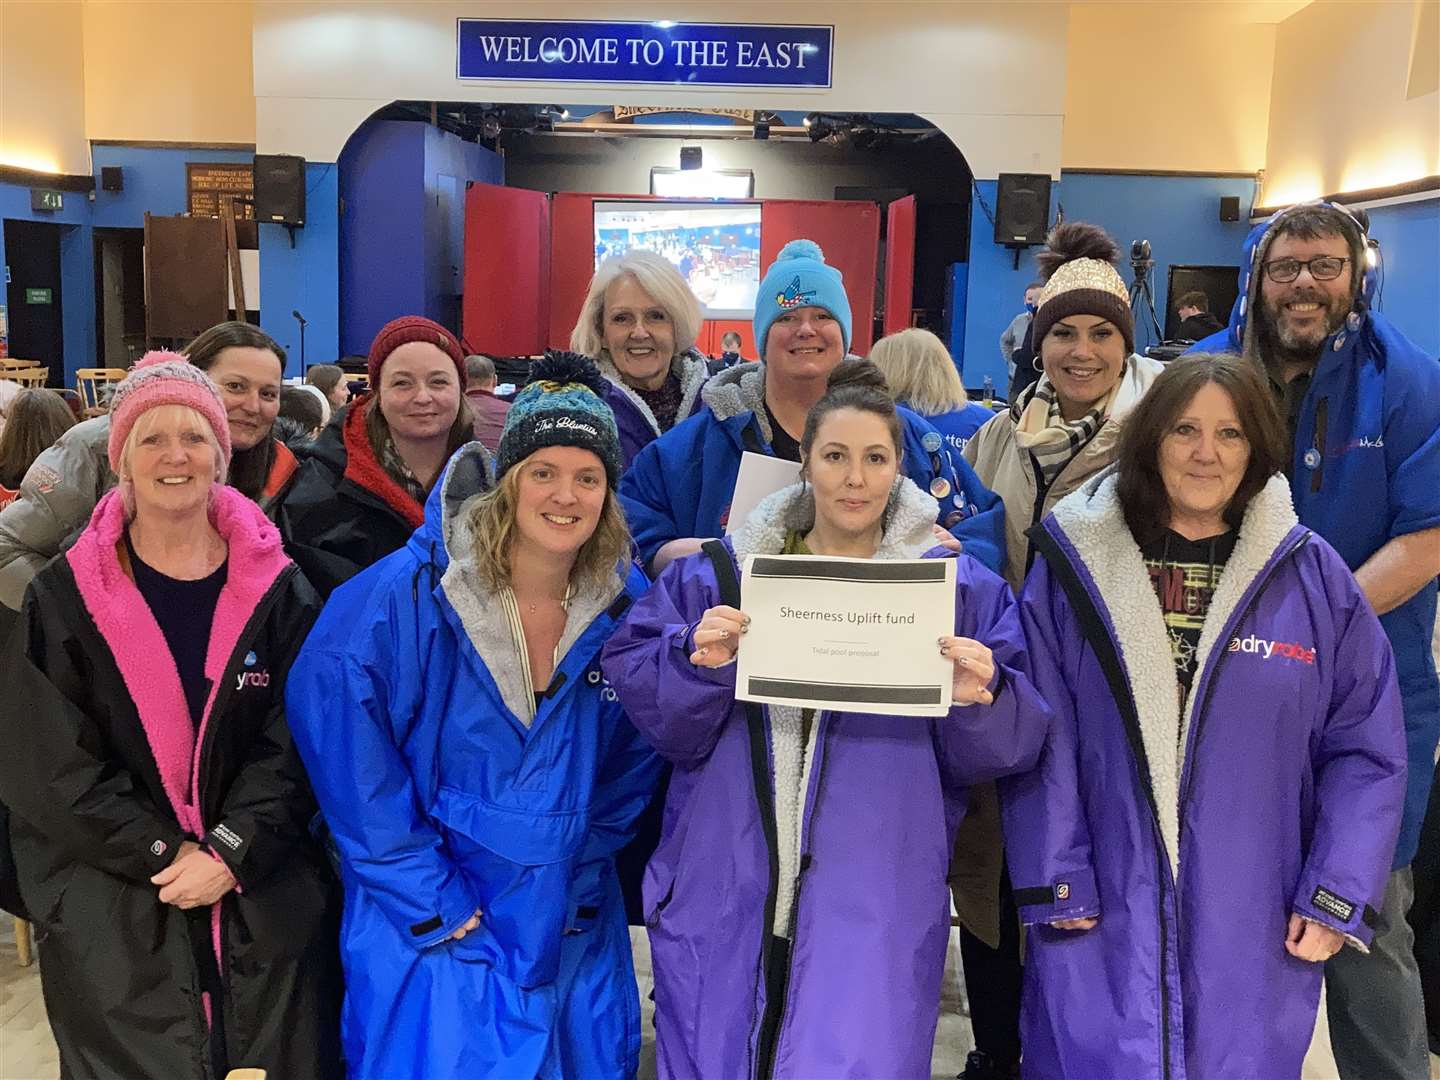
1362, 404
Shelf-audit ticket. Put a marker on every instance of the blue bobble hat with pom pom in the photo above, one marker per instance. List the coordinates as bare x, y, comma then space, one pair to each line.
800, 277
562, 405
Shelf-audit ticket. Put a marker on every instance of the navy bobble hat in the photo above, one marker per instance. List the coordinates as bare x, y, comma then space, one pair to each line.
800, 277
562, 405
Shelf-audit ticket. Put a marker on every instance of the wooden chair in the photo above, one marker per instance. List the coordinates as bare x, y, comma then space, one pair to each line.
89, 380
22, 942
8, 363
28, 377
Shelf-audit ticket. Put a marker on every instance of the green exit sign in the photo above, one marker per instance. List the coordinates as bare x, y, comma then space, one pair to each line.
46, 199
38, 296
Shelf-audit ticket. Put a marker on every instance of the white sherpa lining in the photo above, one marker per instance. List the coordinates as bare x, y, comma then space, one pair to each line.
1095, 524
689, 366
480, 609
911, 513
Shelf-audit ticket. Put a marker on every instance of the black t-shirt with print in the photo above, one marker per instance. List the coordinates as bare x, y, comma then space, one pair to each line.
780, 441
1184, 574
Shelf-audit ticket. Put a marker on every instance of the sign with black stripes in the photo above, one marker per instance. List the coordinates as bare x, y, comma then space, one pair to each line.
852, 635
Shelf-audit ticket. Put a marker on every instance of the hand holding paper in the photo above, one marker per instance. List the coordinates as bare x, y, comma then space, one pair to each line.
974, 668
716, 636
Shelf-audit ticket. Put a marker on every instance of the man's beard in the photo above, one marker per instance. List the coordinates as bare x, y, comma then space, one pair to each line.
1286, 343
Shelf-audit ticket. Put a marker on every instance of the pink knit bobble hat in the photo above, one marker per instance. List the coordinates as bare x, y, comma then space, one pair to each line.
165, 378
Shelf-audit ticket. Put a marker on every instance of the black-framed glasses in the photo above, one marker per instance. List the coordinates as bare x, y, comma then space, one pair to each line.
1322, 268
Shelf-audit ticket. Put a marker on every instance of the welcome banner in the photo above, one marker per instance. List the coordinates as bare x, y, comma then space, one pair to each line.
692, 54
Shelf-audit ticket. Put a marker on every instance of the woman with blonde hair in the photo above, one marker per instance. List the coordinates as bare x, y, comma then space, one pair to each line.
476, 770
639, 323
923, 378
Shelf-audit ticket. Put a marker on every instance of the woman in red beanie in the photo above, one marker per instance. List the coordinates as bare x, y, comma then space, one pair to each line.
361, 491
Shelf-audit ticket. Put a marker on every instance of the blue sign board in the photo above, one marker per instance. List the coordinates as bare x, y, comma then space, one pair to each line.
691, 54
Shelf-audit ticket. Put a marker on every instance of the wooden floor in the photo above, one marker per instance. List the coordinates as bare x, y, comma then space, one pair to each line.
27, 1051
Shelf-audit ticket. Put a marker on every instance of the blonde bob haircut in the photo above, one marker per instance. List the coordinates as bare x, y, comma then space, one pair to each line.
658, 277
920, 372
492, 523
147, 422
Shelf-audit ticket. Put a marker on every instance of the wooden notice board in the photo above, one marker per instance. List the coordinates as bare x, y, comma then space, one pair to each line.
205, 183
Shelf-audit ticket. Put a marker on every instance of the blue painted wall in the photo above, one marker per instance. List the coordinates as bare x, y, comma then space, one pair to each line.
305, 278
1179, 215
154, 180
995, 293
1409, 236
77, 271
402, 186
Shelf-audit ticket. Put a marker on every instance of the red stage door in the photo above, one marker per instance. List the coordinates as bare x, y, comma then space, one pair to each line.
507, 270
899, 263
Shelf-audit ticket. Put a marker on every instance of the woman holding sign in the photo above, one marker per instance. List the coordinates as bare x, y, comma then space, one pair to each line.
807, 938
1217, 810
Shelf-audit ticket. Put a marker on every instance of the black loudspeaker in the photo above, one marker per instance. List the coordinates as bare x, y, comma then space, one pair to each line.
691, 157
1022, 208
112, 178
1229, 207
280, 189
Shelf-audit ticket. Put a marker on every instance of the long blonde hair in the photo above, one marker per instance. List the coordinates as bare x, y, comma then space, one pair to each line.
920, 371
658, 277
492, 523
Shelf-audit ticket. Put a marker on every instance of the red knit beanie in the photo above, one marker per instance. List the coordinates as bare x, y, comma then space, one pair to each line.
403, 331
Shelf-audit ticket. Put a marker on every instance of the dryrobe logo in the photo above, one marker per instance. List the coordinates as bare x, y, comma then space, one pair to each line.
259, 678
595, 678
1287, 650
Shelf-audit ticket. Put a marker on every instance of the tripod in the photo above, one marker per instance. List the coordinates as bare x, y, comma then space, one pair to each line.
1142, 299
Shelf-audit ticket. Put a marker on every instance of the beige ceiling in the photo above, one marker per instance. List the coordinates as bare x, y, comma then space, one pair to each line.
1236, 11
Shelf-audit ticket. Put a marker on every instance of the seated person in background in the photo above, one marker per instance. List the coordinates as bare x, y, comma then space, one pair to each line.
677, 491
362, 488
639, 323
489, 411
304, 412
1196, 322
729, 353
923, 378
330, 380
33, 421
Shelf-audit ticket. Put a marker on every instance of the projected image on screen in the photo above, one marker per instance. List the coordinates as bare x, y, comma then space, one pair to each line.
716, 247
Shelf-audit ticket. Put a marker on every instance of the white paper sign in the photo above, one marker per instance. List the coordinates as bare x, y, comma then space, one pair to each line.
760, 475
853, 635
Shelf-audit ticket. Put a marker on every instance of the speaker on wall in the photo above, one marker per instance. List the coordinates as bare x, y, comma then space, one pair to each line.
280, 189
1229, 207
1022, 208
112, 178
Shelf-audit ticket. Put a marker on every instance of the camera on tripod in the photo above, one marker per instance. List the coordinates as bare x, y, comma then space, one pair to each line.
1142, 298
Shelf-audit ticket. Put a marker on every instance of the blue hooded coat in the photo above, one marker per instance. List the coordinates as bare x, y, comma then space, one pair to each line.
406, 705
1365, 470
681, 484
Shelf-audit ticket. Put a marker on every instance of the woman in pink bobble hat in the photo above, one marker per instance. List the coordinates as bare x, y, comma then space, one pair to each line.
185, 918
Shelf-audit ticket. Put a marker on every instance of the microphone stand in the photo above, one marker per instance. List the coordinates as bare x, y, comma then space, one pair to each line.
302, 321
